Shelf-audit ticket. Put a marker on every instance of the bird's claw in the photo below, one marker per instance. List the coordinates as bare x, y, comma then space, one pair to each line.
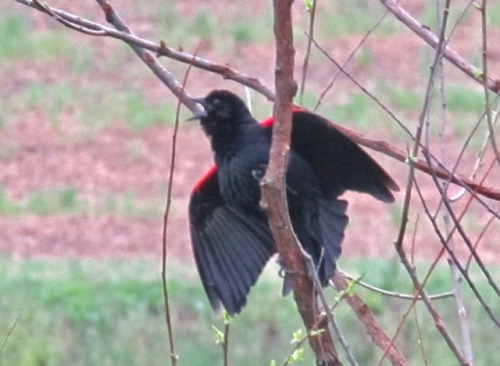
283, 271
259, 173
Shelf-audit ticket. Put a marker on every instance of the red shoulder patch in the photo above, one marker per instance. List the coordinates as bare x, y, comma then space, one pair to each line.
268, 122
208, 174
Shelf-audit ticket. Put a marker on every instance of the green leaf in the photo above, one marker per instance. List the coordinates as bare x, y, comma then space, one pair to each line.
297, 355
410, 160
226, 317
219, 336
478, 73
315, 333
308, 4
297, 336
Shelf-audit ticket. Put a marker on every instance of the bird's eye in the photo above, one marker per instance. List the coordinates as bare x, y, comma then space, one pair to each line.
220, 109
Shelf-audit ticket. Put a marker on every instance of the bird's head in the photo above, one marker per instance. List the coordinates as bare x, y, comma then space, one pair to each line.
222, 111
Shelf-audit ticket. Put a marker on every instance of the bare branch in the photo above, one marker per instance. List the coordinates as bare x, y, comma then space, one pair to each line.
173, 356
396, 295
372, 328
430, 307
455, 278
348, 59
273, 188
489, 117
465, 275
160, 49
307, 55
428, 36
9, 332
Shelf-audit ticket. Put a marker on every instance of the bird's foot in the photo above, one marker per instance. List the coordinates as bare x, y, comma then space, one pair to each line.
259, 173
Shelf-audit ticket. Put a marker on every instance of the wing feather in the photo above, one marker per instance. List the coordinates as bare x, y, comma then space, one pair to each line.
231, 247
339, 161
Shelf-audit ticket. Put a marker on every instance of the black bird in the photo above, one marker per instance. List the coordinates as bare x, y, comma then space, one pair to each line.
229, 231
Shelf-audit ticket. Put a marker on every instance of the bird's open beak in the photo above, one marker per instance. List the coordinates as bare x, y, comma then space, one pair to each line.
200, 114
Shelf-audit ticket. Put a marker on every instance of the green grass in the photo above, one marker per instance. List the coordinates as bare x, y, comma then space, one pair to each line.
358, 111
348, 17
221, 35
111, 312
139, 113
464, 99
82, 60
464, 105
45, 203
493, 14
69, 200
404, 99
94, 106
245, 32
63, 200
20, 40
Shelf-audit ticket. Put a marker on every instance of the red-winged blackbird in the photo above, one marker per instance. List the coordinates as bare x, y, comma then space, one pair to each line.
229, 231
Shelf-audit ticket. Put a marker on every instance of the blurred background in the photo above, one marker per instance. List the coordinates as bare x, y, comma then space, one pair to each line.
85, 145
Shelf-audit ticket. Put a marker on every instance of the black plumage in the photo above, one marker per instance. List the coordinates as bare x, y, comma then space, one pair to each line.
230, 234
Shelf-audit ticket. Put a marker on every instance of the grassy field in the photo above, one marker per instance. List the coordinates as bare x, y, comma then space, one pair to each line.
111, 313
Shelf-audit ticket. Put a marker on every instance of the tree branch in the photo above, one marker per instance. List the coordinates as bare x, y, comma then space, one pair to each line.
273, 189
365, 315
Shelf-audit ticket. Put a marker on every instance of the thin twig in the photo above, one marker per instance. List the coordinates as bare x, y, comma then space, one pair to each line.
418, 136
393, 294
417, 292
462, 232
311, 269
435, 315
45, 8
455, 278
365, 315
161, 72
348, 59
165, 226
478, 259
480, 156
9, 332
462, 215
408, 193
307, 55
459, 298
480, 236
398, 154
484, 33
160, 49
170, 81
298, 344
363, 88
420, 339
430, 38
465, 275
225, 344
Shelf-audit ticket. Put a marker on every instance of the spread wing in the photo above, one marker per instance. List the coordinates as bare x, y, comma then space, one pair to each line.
340, 163
230, 247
